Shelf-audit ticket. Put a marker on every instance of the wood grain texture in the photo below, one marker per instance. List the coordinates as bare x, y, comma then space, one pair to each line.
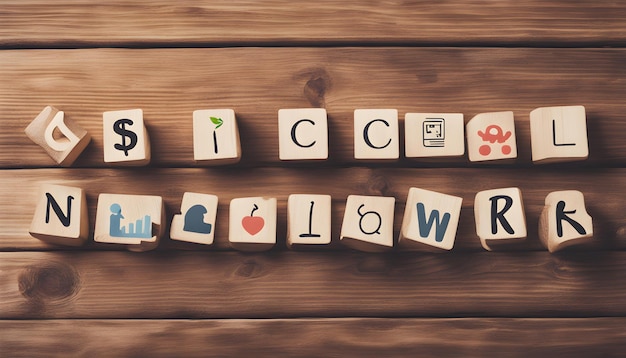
603, 189
316, 284
37, 23
362, 337
169, 84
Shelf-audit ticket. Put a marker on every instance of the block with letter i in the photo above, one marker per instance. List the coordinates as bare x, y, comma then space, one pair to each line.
252, 223
308, 220
216, 137
125, 138
430, 220
564, 220
136, 221
302, 134
500, 218
62, 138
376, 134
196, 222
368, 223
558, 134
61, 215
491, 136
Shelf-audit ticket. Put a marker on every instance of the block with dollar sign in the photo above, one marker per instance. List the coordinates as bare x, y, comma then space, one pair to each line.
126, 139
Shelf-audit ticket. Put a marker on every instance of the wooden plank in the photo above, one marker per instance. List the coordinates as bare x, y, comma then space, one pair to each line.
603, 189
85, 83
88, 284
362, 337
37, 23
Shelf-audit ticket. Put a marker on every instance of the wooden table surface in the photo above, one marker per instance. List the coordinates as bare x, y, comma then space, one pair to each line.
171, 58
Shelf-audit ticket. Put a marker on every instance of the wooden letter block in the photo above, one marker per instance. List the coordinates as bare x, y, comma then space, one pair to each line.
558, 134
430, 220
500, 218
434, 135
491, 136
302, 134
136, 221
252, 224
308, 219
125, 138
564, 220
62, 138
368, 223
376, 134
196, 222
216, 137
61, 215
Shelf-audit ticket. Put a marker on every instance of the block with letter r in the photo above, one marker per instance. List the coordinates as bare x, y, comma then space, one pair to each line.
500, 218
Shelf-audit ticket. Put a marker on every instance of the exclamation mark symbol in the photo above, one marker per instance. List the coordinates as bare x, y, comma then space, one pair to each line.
218, 123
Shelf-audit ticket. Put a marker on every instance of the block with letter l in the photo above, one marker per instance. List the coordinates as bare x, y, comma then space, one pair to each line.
430, 220
564, 220
308, 219
61, 215
558, 134
500, 218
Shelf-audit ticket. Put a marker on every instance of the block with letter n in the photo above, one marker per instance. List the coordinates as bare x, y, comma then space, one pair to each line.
500, 218
61, 215
430, 220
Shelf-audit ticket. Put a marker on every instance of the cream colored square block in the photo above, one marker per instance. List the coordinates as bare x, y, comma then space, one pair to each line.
308, 219
125, 138
558, 134
500, 218
61, 215
196, 222
216, 137
376, 134
62, 138
430, 220
252, 223
302, 134
434, 135
134, 220
564, 220
491, 136
368, 223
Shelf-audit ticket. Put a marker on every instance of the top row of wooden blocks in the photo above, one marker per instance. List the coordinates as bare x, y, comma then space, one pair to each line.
558, 134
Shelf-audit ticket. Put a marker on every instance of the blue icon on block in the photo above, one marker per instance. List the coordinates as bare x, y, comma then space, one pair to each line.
141, 228
194, 220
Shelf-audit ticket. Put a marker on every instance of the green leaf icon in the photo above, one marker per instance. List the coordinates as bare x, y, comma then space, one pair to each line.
217, 121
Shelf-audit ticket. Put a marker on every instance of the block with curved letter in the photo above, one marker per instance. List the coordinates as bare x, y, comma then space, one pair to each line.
430, 220
196, 222
368, 223
125, 138
216, 137
61, 215
62, 138
376, 134
564, 220
302, 134
500, 218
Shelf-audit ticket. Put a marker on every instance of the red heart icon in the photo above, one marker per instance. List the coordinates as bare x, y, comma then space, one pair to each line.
252, 224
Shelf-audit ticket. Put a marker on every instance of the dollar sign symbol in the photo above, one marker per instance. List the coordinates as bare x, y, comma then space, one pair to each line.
120, 128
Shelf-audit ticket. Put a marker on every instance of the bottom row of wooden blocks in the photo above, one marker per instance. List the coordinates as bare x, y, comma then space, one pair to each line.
429, 223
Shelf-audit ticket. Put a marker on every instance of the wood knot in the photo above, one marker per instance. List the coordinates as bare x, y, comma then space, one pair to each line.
49, 281
249, 269
317, 84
